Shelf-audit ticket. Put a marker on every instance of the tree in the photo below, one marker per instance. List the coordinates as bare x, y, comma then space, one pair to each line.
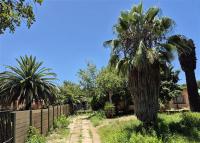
72, 92
137, 52
88, 79
109, 81
27, 82
187, 58
13, 12
169, 87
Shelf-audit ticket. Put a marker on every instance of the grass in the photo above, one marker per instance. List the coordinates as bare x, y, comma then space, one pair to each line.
34, 136
96, 118
176, 128
58, 135
60, 131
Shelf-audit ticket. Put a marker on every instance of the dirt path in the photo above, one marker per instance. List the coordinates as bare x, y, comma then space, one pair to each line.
82, 131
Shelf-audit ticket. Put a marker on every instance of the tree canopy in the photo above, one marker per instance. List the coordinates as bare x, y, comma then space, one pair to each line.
88, 78
72, 92
108, 80
13, 12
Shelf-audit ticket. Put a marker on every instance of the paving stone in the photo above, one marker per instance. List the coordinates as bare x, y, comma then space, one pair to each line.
80, 128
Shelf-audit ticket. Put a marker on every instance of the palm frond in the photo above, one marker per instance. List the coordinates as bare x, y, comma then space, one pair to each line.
151, 14
181, 43
114, 59
27, 81
167, 23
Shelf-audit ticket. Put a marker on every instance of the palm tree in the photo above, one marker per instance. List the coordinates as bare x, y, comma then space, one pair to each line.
137, 52
27, 82
188, 64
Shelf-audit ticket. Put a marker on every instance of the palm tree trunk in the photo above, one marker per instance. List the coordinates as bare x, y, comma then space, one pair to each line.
194, 98
144, 87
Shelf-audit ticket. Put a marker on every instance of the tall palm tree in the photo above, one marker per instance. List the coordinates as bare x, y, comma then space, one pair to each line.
27, 82
137, 52
188, 64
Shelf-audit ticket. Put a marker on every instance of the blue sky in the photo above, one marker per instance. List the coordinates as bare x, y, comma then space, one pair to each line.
69, 33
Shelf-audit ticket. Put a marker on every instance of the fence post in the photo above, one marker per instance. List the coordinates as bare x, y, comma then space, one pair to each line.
67, 109
57, 111
41, 121
14, 127
31, 120
48, 120
53, 116
60, 109
64, 109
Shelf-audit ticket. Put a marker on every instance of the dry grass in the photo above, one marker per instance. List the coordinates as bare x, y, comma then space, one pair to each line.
59, 136
123, 118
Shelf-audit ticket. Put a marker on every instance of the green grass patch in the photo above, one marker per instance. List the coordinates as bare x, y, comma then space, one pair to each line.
176, 128
60, 130
61, 122
97, 117
34, 136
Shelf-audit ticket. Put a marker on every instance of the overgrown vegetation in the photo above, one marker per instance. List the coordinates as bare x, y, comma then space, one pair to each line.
97, 117
176, 128
34, 136
61, 122
60, 131
109, 109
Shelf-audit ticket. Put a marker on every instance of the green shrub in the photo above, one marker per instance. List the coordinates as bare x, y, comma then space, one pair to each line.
100, 114
109, 109
34, 136
191, 120
61, 122
97, 102
97, 117
177, 138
